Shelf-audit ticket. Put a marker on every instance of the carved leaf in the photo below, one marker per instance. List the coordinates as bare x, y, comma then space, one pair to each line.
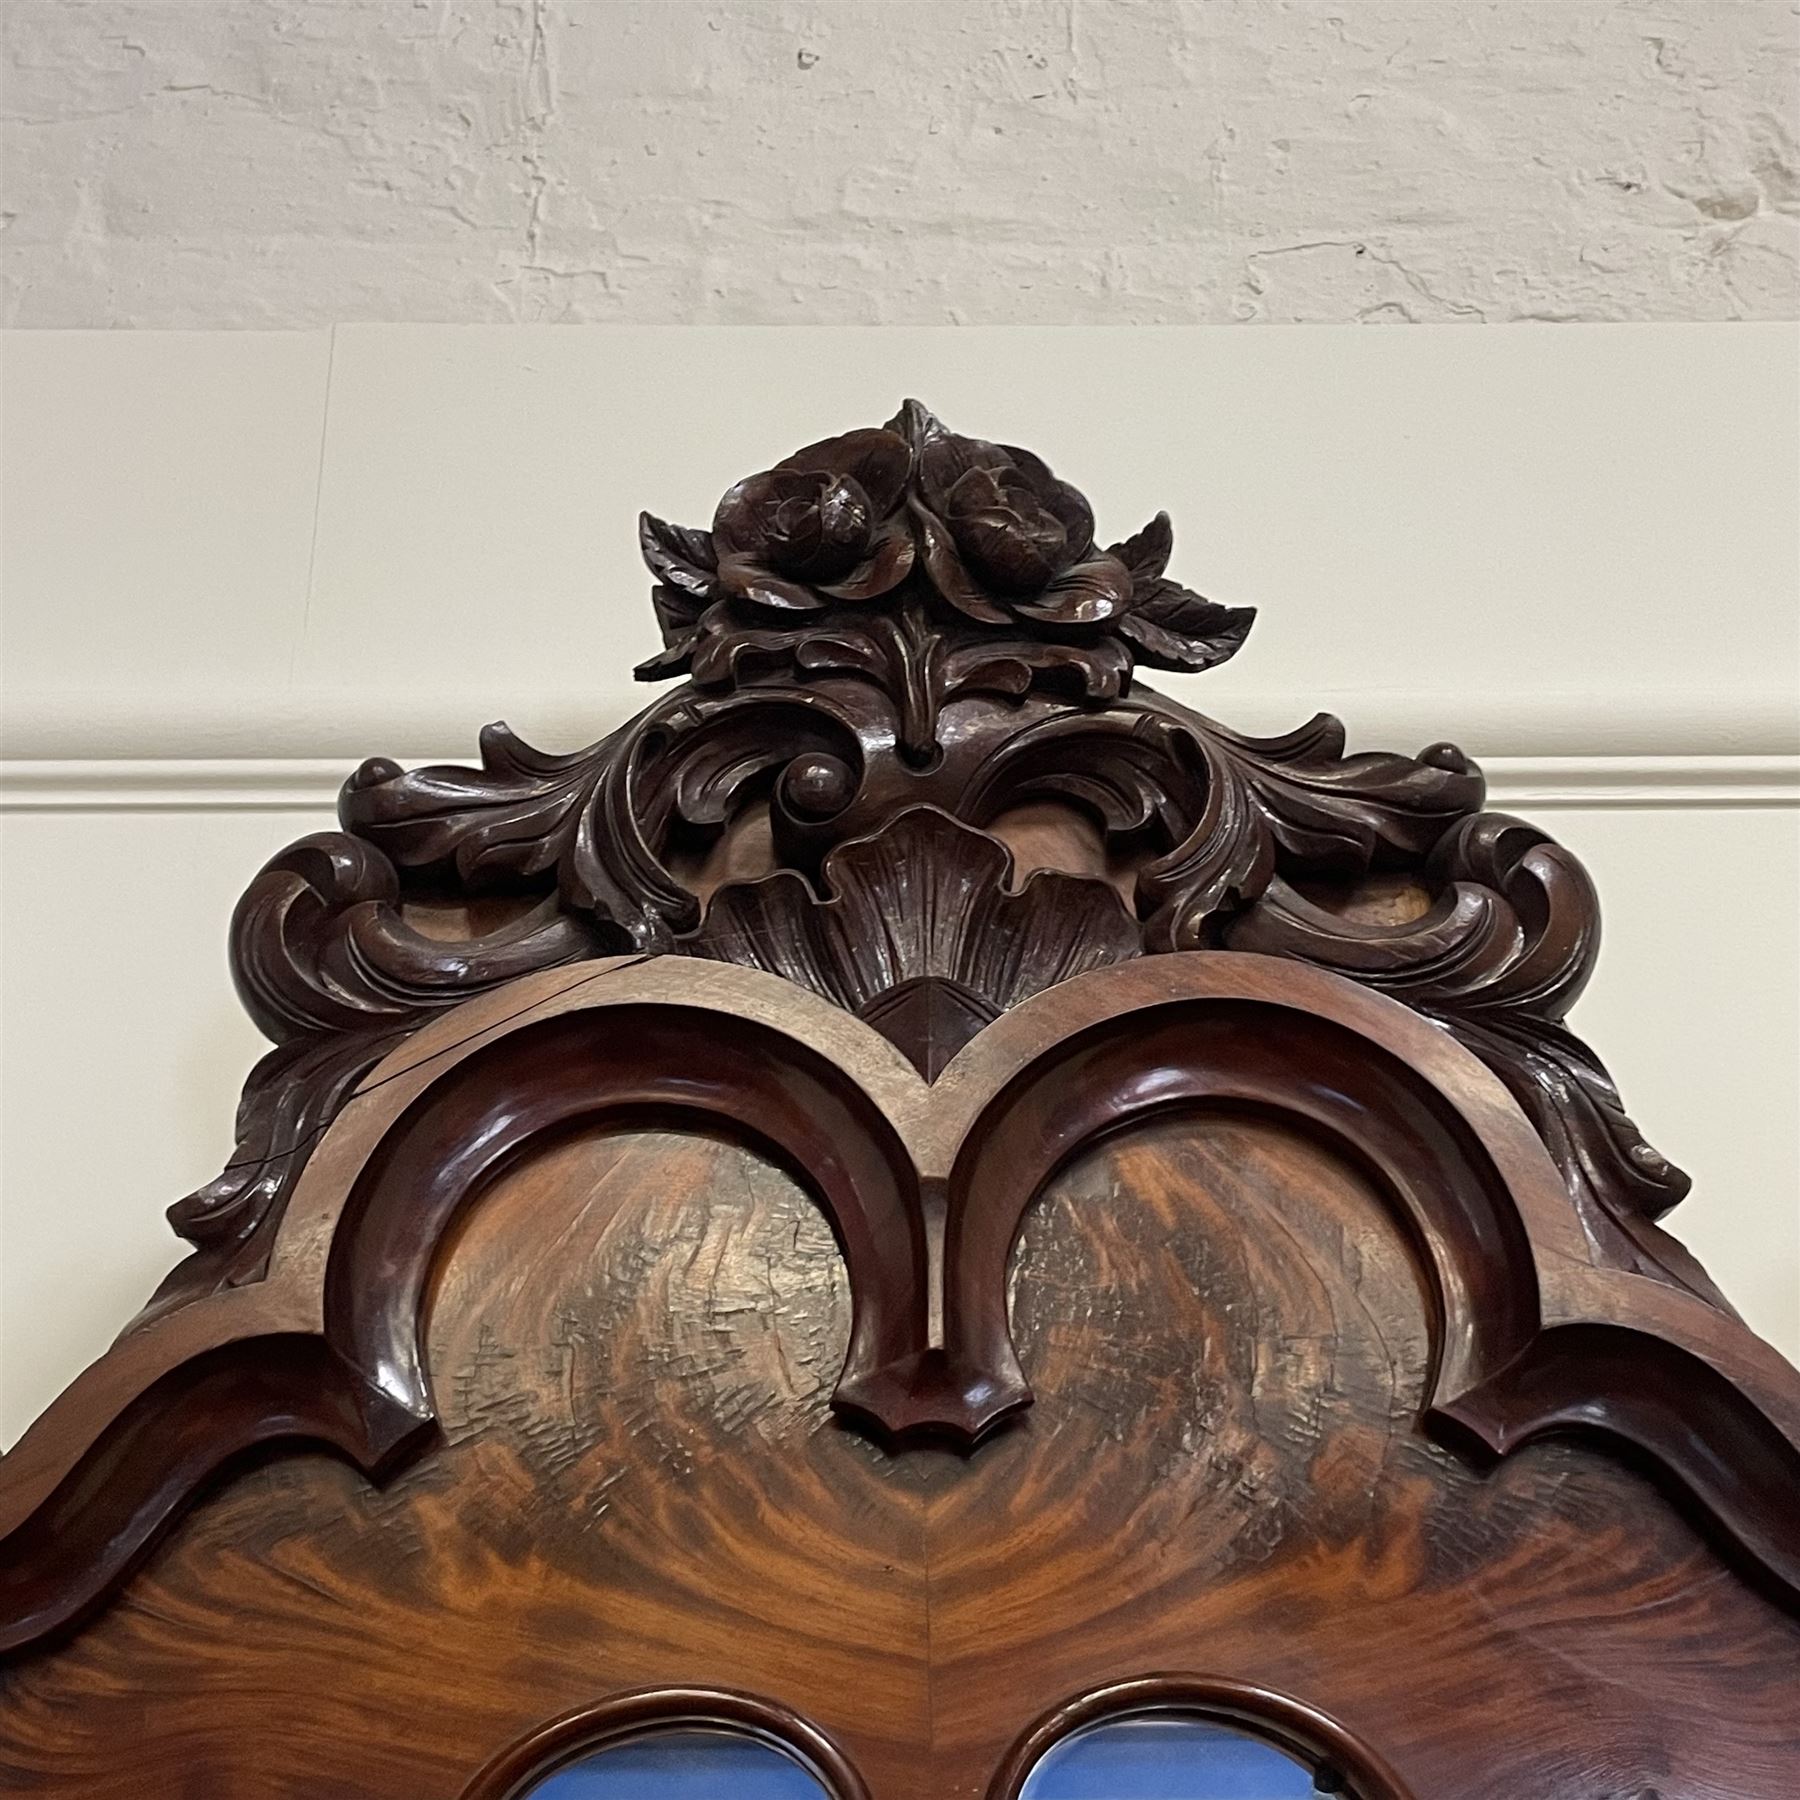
1338, 814
665, 665
1174, 628
685, 564
1218, 869
531, 820
1094, 592
706, 773
1171, 626
680, 558
319, 943
292, 1095
1146, 553
1223, 811
501, 825
1097, 671
678, 617
726, 651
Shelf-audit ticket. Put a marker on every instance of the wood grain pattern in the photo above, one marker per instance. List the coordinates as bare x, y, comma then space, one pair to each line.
1230, 1343
1536, 1332
640, 1483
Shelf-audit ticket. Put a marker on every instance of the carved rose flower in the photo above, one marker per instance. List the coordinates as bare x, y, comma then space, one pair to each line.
1001, 537
825, 524
943, 530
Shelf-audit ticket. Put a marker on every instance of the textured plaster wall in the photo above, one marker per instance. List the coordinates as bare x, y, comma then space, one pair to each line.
219, 163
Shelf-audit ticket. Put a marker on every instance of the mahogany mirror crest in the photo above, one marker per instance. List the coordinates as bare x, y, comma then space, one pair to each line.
918, 1221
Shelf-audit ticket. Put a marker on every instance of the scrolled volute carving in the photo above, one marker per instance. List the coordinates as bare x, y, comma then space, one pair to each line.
900, 643
319, 943
327, 964
1498, 958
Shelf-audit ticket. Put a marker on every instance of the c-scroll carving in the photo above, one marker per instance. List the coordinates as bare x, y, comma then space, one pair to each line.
1498, 959
328, 966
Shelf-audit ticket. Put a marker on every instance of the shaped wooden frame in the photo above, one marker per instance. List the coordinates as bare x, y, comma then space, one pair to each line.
991, 901
1533, 1334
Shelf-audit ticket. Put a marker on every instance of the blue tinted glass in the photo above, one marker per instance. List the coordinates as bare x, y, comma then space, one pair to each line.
682, 1765
1167, 1759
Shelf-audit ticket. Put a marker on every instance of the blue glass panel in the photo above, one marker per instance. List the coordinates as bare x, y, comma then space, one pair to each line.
1167, 1758
682, 1765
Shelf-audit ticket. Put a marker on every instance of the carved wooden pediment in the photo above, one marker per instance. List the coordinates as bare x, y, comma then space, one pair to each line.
913, 885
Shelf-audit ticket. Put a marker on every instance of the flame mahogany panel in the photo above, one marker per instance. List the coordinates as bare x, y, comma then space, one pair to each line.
638, 1484
916, 1195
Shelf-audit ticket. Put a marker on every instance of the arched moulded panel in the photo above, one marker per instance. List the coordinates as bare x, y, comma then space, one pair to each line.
1534, 1335
672, 1744
1470, 1182
324, 1349
1190, 1737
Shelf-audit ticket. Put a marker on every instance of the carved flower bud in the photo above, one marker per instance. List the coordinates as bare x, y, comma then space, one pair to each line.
1002, 538
817, 527
825, 525
1002, 530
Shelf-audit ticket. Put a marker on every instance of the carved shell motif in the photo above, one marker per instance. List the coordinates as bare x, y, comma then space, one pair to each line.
919, 932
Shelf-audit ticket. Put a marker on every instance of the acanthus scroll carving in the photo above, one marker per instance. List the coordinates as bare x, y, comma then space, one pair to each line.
912, 768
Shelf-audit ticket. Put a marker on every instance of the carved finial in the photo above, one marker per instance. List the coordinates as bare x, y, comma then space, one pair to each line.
965, 539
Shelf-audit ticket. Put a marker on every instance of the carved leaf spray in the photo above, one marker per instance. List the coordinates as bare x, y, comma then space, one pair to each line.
911, 769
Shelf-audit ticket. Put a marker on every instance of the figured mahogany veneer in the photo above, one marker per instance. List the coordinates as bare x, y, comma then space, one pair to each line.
917, 1196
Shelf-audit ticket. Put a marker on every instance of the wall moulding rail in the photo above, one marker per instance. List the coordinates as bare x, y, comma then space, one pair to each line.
281, 784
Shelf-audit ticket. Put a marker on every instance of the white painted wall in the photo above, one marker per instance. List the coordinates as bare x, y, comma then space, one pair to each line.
233, 563
300, 162
235, 544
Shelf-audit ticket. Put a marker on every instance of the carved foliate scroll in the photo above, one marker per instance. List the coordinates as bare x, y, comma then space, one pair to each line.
898, 644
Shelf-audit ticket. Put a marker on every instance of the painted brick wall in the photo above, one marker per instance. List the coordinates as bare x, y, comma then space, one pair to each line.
204, 163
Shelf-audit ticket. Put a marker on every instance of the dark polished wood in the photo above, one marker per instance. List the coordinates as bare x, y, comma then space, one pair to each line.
633, 1483
915, 1180
1339, 1764
852, 661
1535, 1334
623, 1716
636, 1482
